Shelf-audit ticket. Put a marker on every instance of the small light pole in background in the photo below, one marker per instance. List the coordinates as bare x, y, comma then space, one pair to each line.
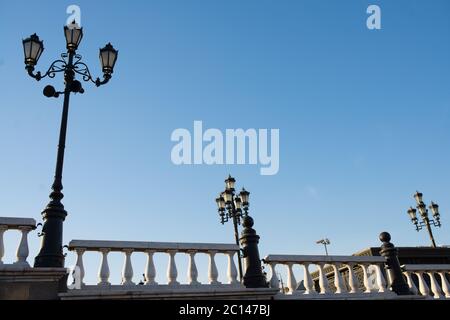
325, 243
281, 282
70, 64
423, 211
233, 206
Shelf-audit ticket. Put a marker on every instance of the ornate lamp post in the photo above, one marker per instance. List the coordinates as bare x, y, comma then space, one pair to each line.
235, 207
426, 222
70, 64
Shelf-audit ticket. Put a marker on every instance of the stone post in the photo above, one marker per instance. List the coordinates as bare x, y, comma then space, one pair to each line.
390, 253
253, 274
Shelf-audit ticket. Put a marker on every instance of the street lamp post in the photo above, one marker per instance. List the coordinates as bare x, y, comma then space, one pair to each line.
426, 221
70, 64
281, 282
325, 243
235, 207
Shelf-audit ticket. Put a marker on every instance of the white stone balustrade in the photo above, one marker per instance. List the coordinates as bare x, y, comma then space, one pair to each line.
24, 225
129, 248
432, 279
339, 264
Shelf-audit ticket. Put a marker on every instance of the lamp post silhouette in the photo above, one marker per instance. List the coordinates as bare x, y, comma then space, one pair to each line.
426, 221
235, 207
281, 282
70, 64
325, 243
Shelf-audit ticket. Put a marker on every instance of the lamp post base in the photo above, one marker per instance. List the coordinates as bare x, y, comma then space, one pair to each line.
49, 261
50, 255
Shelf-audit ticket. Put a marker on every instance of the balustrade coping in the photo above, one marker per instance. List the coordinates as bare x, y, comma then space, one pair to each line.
16, 223
426, 267
17, 268
143, 246
300, 259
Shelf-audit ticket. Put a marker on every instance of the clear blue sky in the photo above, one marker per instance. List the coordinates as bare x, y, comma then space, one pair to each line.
364, 119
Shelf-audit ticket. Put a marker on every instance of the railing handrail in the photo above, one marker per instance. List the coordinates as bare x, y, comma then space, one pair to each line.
426, 267
24, 226
127, 248
143, 246
282, 259
16, 223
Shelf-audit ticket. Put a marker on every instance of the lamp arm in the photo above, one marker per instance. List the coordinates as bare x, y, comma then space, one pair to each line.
435, 223
420, 225
36, 75
55, 67
82, 69
106, 77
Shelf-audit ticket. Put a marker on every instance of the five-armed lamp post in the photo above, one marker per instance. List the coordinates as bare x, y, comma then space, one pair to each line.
70, 64
426, 222
231, 205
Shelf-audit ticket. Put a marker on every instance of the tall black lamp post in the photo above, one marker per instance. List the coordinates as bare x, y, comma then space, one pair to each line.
426, 221
70, 64
235, 207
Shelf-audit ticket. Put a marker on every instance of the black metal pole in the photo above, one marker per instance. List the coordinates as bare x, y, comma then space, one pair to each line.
54, 214
430, 232
281, 281
236, 236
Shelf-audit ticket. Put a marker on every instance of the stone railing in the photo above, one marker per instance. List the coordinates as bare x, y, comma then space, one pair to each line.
341, 265
150, 248
24, 225
429, 280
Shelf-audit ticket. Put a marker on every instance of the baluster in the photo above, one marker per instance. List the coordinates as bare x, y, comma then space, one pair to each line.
213, 274
150, 271
127, 271
388, 277
445, 284
172, 272
274, 281
323, 281
192, 269
22, 249
411, 285
423, 287
232, 271
291, 281
307, 281
79, 264
352, 282
338, 281
2, 246
103, 272
435, 289
381, 282
366, 282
